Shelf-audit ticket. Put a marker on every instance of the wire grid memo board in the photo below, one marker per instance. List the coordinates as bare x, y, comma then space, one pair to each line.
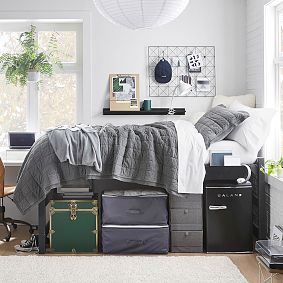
177, 57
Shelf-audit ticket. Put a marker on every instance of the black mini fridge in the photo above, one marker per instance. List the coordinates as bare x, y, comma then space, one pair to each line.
228, 217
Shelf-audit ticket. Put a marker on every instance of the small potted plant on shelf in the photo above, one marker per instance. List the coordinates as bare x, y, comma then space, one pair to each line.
27, 66
273, 168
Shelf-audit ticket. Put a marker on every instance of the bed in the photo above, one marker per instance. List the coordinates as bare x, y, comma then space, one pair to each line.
166, 155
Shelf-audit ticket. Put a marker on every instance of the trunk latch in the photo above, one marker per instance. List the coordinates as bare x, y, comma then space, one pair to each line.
73, 214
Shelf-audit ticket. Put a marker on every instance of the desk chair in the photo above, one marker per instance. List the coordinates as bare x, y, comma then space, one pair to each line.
6, 191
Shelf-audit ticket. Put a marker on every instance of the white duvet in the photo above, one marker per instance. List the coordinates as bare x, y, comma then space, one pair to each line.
191, 155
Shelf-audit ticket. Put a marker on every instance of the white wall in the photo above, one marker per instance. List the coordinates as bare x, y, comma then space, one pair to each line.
205, 22
256, 84
221, 23
255, 49
118, 50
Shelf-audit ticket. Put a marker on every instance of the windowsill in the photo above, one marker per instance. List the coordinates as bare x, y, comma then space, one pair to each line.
275, 182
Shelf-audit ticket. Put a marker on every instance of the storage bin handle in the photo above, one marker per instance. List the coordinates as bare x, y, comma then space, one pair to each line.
139, 242
134, 211
217, 207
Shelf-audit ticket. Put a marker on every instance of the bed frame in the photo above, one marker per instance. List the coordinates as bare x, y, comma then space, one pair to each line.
260, 198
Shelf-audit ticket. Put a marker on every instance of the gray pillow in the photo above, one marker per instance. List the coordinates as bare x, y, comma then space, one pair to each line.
218, 123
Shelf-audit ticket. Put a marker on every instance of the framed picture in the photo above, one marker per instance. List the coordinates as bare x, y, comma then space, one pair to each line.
124, 92
217, 157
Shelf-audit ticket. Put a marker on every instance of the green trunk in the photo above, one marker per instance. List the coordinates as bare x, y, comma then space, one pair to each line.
73, 226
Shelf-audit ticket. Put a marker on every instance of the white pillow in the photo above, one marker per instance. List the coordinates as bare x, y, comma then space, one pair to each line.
253, 132
194, 117
247, 99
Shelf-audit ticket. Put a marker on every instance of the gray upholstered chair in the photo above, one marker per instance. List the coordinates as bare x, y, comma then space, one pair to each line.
6, 191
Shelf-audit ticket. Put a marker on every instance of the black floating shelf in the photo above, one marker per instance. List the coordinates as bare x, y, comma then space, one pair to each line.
153, 111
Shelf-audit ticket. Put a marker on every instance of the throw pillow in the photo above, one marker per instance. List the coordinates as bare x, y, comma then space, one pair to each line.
253, 132
218, 122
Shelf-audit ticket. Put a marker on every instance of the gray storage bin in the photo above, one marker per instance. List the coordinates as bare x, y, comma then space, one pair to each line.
135, 210
185, 201
186, 219
186, 241
135, 239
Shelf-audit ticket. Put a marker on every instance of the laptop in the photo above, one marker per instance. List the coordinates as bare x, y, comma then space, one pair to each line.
21, 140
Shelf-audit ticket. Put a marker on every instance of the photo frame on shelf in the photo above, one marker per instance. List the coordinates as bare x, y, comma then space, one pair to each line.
124, 92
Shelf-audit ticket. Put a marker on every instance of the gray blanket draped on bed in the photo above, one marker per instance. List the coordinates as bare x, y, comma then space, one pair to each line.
79, 145
146, 155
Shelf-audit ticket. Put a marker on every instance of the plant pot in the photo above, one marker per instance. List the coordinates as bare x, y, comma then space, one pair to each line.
33, 76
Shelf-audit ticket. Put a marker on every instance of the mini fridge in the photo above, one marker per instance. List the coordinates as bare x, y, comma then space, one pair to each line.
228, 217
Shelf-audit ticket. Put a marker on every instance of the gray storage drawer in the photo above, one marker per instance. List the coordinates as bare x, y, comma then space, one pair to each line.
135, 210
187, 249
187, 241
135, 239
186, 238
185, 201
186, 219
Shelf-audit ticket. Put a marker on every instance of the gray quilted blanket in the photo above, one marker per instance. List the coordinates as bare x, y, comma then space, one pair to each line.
146, 155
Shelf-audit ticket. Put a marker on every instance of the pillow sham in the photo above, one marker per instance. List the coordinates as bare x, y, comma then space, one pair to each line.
246, 99
253, 132
218, 122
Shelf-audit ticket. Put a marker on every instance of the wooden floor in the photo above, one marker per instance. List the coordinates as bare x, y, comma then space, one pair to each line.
246, 263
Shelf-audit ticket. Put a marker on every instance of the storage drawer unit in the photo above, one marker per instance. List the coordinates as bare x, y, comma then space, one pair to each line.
186, 219
186, 241
186, 222
186, 200
73, 226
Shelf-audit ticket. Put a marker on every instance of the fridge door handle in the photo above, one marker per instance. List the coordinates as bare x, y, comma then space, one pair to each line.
217, 207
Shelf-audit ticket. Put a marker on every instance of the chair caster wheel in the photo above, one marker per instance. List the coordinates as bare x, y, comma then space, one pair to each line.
7, 239
15, 226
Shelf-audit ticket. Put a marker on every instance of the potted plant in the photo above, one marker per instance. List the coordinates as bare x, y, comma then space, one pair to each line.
273, 168
27, 66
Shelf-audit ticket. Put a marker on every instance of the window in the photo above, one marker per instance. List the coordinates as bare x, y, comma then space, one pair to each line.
280, 74
57, 99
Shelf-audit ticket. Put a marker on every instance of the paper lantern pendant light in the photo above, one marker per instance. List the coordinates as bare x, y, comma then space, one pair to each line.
140, 14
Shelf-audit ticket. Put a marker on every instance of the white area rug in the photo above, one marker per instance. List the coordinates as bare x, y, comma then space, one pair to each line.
132, 269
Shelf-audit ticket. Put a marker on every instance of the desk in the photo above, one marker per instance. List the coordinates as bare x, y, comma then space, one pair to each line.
13, 157
12, 163
272, 272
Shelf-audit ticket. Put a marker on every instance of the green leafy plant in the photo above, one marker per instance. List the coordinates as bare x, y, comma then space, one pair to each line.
272, 167
17, 66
